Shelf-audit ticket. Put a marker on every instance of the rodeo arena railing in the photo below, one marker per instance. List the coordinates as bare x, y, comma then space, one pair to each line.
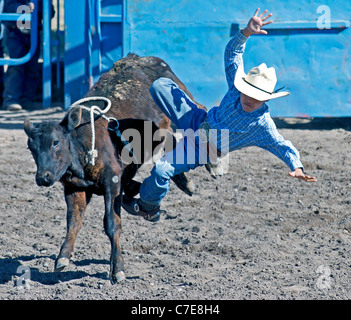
29, 20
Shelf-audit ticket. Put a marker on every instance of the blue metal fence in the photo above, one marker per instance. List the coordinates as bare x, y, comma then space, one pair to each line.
93, 42
47, 76
23, 18
47, 44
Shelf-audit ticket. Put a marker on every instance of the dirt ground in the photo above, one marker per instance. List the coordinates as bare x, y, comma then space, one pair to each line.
254, 233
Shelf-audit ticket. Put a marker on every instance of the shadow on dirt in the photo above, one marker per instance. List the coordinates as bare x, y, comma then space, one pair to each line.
12, 268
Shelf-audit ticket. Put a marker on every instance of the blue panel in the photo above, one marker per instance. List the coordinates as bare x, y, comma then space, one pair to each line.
76, 51
93, 42
191, 36
46, 76
111, 32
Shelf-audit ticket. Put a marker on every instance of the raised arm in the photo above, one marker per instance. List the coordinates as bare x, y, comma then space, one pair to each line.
233, 57
236, 46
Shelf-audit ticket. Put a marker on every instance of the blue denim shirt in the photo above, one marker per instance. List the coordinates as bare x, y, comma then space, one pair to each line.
246, 129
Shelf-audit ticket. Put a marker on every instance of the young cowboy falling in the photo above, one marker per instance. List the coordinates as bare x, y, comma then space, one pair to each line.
243, 112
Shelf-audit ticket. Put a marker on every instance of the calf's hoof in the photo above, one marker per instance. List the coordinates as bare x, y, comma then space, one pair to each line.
118, 277
61, 264
214, 170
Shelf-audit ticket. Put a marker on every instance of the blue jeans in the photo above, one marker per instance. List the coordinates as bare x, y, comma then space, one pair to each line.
185, 114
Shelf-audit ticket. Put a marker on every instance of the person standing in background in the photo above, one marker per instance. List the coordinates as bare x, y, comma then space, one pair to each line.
21, 82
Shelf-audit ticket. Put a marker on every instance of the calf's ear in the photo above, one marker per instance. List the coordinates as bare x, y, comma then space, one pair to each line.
28, 126
74, 118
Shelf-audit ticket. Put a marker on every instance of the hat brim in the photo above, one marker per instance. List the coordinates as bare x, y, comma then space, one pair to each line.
251, 91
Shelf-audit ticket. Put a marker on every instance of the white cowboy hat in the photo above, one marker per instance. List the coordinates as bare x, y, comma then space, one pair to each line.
259, 83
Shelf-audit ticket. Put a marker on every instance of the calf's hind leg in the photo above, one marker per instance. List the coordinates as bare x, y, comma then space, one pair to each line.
76, 205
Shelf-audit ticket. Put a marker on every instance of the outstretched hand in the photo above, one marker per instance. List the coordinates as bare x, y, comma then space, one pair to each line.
256, 23
298, 173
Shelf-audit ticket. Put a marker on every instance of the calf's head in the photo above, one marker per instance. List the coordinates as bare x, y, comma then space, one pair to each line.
49, 143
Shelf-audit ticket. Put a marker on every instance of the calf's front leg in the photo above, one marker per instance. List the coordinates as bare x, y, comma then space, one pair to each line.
76, 202
113, 229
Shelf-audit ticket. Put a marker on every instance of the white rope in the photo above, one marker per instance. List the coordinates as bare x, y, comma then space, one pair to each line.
93, 153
